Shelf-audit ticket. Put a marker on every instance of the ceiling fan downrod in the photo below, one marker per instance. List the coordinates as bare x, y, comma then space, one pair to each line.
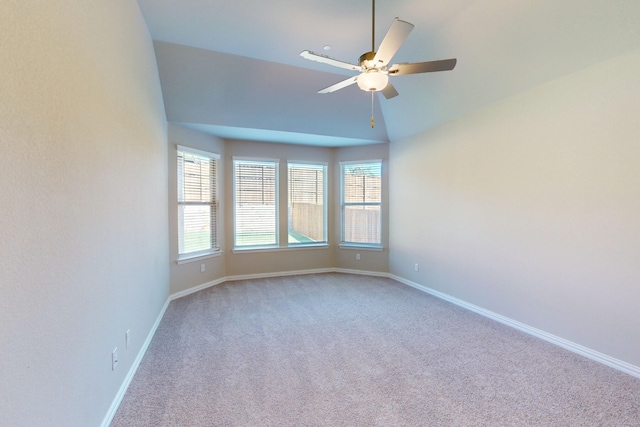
373, 25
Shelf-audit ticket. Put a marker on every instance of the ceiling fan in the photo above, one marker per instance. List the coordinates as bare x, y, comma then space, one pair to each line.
373, 66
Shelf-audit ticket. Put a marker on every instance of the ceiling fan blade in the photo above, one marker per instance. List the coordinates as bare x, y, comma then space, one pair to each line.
422, 67
397, 33
389, 91
339, 85
306, 54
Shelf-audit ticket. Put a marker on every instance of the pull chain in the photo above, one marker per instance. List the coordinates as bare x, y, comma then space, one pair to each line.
372, 119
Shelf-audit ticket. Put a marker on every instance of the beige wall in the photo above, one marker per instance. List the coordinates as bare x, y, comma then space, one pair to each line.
529, 208
83, 226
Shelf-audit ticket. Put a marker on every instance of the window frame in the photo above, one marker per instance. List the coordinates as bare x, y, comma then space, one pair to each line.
214, 204
343, 204
325, 199
276, 163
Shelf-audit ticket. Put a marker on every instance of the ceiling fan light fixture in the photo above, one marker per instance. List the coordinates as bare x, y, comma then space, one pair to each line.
374, 65
372, 81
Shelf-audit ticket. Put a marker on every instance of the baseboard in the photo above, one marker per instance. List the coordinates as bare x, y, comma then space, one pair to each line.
278, 274
553, 339
134, 367
196, 288
237, 277
361, 272
225, 279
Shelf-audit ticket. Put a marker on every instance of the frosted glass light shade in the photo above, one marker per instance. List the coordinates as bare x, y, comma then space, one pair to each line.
372, 81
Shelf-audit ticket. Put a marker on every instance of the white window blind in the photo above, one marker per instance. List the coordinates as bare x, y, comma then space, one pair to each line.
361, 203
256, 202
197, 203
307, 205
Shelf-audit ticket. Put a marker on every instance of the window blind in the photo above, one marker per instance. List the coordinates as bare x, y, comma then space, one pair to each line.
197, 202
255, 199
307, 207
361, 203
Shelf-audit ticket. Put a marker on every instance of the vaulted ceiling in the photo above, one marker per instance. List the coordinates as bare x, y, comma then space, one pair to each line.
232, 68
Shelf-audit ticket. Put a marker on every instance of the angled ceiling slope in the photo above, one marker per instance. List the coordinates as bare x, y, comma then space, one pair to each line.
244, 98
233, 68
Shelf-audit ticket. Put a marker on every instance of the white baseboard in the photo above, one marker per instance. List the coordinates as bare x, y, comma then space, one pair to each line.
553, 339
195, 289
237, 277
134, 367
225, 279
360, 272
278, 274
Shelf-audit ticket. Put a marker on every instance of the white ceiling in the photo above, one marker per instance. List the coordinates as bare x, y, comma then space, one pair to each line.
232, 68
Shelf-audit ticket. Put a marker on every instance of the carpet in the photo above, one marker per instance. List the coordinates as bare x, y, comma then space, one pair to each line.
349, 350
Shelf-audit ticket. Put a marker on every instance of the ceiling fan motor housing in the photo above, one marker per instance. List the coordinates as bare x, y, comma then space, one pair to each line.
366, 60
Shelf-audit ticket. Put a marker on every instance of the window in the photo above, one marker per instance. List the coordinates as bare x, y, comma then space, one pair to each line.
307, 205
361, 203
255, 195
197, 203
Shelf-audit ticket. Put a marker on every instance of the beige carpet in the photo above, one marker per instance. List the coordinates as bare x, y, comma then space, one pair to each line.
346, 350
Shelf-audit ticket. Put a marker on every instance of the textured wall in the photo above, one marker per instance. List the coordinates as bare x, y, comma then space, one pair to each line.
83, 225
529, 208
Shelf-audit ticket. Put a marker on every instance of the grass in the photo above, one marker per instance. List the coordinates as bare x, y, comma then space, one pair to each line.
245, 239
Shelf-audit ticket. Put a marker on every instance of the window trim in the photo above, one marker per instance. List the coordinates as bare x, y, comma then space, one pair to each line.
276, 162
215, 224
325, 201
344, 244
196, 257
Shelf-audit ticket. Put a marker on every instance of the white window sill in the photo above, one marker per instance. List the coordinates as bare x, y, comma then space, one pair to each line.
198, 257
360, 247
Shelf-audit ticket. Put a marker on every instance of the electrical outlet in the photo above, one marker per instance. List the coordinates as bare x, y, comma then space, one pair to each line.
416, 267
357, 257
114, 359
203, 267
127, 337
